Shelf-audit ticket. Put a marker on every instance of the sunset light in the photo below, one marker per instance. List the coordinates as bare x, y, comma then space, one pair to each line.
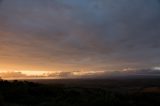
79, 52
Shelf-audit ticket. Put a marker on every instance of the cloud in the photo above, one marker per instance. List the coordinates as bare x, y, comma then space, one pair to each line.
131, 72
65, 74
12, 75
147, 72
79, 74
95, 35
45, 75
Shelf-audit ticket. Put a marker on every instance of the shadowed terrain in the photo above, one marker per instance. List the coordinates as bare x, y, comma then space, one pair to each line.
92, 92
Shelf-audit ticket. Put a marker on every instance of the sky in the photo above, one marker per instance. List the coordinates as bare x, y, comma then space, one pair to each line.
72, 38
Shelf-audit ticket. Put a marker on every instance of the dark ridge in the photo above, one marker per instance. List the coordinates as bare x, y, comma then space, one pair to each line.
25, 93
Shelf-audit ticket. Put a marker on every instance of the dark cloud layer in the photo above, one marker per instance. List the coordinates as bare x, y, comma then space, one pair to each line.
80, 34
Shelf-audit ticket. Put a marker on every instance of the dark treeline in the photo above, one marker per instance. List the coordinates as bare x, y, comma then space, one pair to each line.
24, 93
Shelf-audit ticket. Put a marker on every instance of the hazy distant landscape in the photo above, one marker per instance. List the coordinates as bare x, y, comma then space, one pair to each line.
80, 92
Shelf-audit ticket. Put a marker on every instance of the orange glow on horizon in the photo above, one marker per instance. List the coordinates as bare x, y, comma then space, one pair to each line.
29, 74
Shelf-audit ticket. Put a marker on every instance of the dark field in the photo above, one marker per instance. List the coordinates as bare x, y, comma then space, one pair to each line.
81, 92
